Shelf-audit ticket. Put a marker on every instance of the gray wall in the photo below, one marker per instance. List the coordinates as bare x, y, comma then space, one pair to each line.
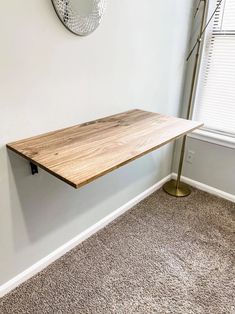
51, 79
212, 164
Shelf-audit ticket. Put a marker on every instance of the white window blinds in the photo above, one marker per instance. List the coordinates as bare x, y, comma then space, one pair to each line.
215, 98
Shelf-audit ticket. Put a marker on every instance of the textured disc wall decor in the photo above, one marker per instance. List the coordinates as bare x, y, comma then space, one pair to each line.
81, 17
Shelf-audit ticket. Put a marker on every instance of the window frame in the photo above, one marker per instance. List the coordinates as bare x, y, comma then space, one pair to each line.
204, 134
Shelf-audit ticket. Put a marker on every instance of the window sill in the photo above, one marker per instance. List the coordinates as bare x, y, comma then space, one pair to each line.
213, 138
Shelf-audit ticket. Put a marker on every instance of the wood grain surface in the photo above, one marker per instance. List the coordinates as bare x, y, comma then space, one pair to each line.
84, 152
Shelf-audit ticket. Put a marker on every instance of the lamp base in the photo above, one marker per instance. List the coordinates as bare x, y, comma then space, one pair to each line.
170, 188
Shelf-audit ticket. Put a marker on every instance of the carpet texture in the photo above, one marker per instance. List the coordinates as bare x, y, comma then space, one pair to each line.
166, 255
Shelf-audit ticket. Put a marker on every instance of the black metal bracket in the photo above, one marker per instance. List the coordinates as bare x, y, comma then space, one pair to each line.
34, 168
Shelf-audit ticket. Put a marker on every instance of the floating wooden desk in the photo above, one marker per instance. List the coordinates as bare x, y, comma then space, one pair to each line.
82, 153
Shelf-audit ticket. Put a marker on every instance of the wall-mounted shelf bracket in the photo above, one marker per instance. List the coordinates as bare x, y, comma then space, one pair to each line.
34, 168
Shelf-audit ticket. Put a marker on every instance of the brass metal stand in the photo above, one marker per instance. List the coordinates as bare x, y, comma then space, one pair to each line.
176, 187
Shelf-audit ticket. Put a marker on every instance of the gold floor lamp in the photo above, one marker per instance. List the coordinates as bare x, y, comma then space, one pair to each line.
176, 187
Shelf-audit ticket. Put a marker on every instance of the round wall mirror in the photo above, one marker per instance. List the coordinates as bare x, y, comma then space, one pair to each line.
81, 17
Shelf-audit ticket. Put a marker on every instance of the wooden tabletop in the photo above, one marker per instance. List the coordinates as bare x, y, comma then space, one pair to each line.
84, 152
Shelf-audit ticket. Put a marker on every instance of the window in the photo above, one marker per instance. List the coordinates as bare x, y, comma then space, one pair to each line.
215, 95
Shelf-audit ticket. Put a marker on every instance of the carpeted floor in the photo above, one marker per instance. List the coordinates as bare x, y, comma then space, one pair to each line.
166, 255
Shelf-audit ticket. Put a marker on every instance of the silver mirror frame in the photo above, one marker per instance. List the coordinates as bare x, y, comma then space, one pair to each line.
79, 24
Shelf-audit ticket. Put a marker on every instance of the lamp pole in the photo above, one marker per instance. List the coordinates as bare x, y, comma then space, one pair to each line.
176, 187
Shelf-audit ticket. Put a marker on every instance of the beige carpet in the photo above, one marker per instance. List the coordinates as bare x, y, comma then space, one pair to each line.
166, 255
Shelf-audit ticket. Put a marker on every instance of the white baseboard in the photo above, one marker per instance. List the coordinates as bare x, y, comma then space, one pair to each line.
206, 188
44, 262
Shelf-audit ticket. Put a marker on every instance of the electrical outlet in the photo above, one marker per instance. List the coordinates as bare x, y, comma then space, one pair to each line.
190, 156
